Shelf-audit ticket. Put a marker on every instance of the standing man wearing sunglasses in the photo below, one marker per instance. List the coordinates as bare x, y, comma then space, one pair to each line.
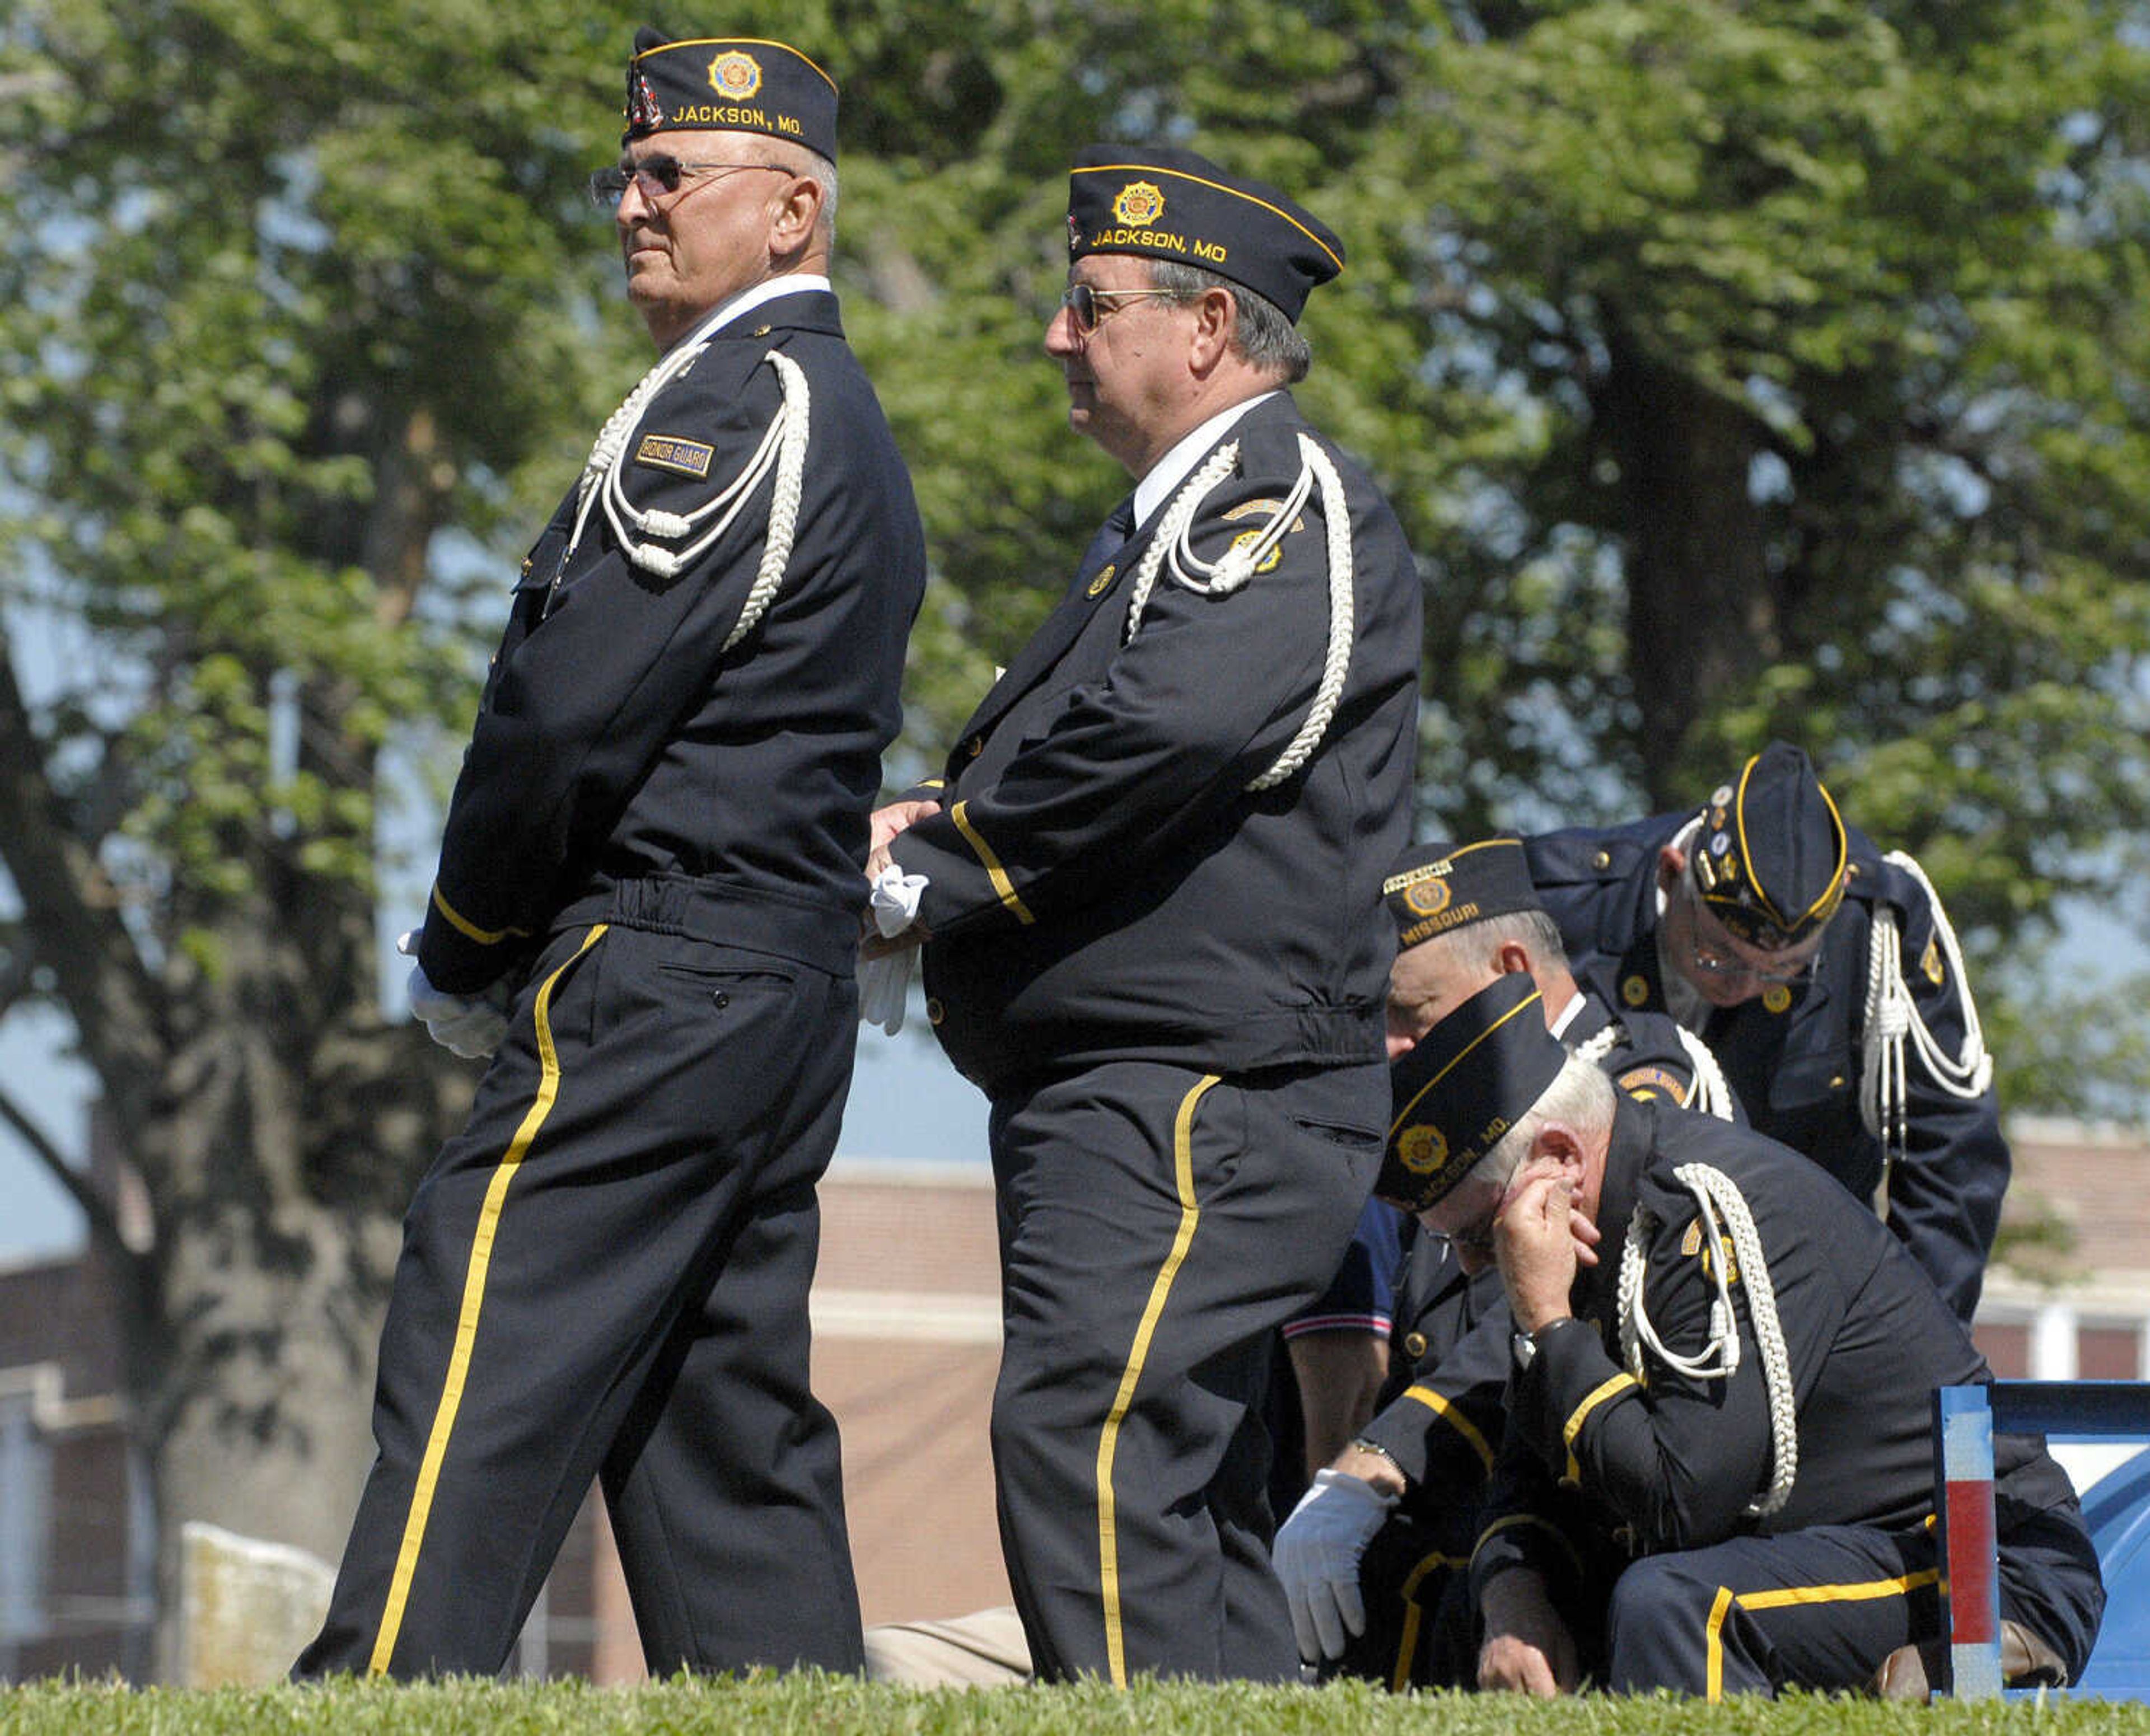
1151, 879
647, 913
1826, 979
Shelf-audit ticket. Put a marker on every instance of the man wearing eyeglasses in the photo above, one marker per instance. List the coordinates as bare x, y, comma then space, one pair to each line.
1151, 881
647, 913
1716, 1473
1826, 979
1368, 1556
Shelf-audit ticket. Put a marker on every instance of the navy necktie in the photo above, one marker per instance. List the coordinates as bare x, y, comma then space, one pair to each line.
1110, 536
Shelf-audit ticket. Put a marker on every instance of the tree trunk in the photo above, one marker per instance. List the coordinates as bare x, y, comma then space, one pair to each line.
280, 1163
1701, 616
261, 1381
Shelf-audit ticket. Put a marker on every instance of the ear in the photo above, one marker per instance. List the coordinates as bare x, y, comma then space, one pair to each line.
1671, 864
1512, 958
1558, 1144
798, 209
1214, 316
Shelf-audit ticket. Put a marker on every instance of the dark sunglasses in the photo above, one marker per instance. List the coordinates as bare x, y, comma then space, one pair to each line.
658, 176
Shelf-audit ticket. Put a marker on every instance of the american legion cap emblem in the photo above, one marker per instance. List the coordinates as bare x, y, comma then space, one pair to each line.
1139, 204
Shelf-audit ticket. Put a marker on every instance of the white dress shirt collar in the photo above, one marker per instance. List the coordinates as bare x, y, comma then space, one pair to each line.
1163, 477
788, 283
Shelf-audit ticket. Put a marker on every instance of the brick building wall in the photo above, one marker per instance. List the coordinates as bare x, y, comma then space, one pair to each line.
906, 1322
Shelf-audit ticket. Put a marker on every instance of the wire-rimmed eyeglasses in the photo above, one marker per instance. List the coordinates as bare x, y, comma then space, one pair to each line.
658, 176
1712, 958
1089, 308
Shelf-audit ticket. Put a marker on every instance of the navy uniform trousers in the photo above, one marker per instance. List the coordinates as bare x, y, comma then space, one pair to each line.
1157, 1223
1823, 1607
604, 1276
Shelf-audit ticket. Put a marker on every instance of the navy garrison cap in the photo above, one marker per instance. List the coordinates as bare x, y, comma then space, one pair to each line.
1436, 887
1168, 204
729, 83
1769, 857
1472, 1077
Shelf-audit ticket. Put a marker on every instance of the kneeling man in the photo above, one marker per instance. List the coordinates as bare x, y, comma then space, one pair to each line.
1728, 1364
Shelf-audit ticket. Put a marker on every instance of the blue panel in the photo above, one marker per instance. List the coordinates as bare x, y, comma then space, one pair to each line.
2092, 1409
2117, 1508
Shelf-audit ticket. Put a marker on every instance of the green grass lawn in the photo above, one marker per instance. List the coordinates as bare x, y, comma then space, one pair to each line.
820, 1706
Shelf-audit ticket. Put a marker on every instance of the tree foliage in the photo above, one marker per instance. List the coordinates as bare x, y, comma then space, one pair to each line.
288, 301
1737, 370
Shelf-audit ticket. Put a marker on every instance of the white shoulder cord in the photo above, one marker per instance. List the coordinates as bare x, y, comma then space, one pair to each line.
1224, 575
1709, 1094
1892, 1015
612, 438
1595, 1049
1718, 1359
783, 499
783, 445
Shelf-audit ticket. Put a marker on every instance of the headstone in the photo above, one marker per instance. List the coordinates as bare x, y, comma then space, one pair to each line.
246, 1607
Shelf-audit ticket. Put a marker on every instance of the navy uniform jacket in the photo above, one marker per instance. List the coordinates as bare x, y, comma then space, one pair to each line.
616, 740
1793, 1056
1673, 1465
1101, 884
1439, 1415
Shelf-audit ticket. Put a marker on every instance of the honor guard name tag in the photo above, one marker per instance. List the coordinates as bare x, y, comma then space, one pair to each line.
669, 451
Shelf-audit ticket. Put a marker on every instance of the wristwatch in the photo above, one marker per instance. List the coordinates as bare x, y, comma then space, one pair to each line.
1524, 1345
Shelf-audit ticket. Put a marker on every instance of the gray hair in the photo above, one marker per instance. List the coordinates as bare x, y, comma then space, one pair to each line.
1580, 1096
1532, 929
823, 171
1261, 335
799, 160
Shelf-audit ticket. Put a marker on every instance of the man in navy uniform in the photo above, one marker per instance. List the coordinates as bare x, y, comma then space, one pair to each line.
1826, 979
1728, 1363
1368, 1558
648, 902
1151, 879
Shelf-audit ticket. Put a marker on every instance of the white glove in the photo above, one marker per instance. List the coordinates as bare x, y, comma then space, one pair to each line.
895, 901
1317, 1556
884, 982
466, 1026
885, 988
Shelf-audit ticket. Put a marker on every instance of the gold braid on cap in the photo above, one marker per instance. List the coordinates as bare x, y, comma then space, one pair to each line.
1728, 886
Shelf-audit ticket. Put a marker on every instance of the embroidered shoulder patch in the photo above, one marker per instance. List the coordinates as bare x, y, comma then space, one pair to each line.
1266, 511
670, 451
1269, 561
1267, 508
1648, 1082
1691, 1244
